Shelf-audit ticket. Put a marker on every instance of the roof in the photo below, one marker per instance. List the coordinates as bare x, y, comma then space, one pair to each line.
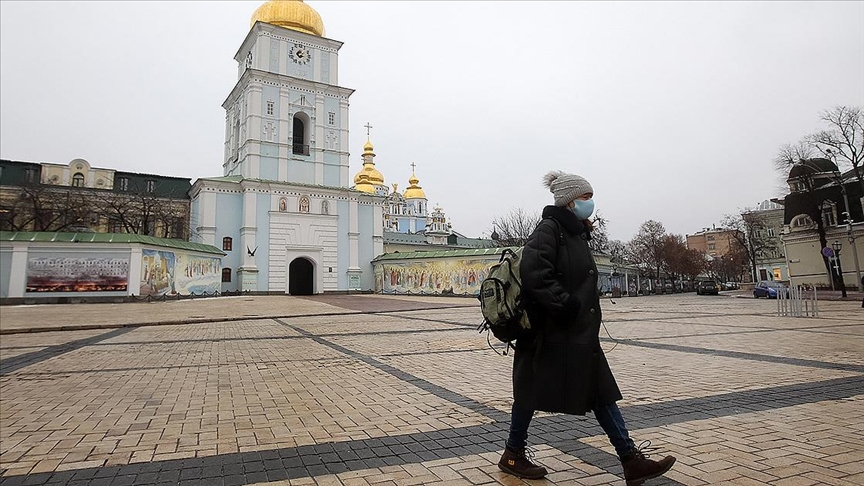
239, 178
46, 236
440, 254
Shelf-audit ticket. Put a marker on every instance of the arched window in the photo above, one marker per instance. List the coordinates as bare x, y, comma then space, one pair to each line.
78, 179
304, 204
226, 275
300, 145
227, 243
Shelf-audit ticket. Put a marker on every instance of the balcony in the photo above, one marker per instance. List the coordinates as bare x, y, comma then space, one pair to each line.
300, 149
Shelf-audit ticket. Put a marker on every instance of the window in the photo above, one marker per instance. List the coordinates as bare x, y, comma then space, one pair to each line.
712, 246
78, 180
226, 275
30, 175
123, 183
227, 243
299, 145
270, 108
303, 100
770, 232
710, 237
331, 118
151, 185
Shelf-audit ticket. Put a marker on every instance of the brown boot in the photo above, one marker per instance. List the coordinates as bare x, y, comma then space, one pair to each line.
638, 468
515, 463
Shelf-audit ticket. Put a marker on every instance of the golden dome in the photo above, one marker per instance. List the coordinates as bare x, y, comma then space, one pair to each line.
368, 148
291, 14
361, 183
414, 191
370, 173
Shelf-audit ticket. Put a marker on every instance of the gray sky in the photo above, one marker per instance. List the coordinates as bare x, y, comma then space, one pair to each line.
673, 111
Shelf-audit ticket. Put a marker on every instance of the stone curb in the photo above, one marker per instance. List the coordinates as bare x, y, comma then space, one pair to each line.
204, 320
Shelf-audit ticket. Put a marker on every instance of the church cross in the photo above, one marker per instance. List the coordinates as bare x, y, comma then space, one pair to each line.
413, 167
368, 127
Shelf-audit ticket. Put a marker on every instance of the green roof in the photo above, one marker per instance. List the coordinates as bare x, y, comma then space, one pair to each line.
440, 254
45, 236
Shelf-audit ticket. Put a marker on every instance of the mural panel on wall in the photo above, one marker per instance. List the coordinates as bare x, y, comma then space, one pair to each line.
77, 274
446, 277
167, 272
157, 272
198, 275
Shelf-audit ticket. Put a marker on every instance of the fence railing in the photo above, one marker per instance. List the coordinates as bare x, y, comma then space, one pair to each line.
797, 301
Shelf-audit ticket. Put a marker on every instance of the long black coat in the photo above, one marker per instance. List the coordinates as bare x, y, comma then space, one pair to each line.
561, 366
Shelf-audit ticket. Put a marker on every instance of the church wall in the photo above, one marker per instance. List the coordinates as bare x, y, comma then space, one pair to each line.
262, 237
228, 222
331, 174
342, 248
301, 171
268, 164
365, 221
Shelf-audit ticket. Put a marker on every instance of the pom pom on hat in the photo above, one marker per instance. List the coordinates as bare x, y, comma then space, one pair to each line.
566, 187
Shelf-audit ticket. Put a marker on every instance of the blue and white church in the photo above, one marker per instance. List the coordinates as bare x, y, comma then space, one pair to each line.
284, 209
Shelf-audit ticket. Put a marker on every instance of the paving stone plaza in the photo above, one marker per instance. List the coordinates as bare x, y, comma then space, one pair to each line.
371, 389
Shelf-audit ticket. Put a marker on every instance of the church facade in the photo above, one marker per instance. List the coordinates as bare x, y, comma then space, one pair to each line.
283, 210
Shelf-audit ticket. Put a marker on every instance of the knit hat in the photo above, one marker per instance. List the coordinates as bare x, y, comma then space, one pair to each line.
566, 187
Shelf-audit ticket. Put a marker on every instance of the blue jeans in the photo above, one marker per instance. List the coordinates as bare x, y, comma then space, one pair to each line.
608, 415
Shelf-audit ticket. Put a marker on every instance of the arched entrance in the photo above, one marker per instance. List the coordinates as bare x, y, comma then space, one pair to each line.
301, 277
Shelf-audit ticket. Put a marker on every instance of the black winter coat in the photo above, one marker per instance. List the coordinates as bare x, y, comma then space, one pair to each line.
561, 367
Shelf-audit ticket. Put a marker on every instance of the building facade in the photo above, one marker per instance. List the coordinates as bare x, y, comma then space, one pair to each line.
77, 197
283, 210
767, 219
714, 242
823, 210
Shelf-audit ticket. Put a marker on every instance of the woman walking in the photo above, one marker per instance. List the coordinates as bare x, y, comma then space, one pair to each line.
560, 367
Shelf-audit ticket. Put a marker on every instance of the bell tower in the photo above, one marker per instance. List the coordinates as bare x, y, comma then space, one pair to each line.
286, 119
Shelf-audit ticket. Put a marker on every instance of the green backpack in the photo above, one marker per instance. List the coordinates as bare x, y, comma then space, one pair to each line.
501, 299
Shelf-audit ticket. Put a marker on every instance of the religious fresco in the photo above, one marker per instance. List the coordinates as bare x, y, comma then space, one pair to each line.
167, 272
198, 275
157, 273
77, 274
444, 277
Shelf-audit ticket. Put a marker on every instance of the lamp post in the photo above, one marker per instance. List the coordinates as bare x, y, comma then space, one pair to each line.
837, 246
848, 216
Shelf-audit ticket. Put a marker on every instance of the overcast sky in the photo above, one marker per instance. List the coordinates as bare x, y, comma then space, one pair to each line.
673, 111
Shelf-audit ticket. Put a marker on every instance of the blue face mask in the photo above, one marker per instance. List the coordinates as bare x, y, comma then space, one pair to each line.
583, 209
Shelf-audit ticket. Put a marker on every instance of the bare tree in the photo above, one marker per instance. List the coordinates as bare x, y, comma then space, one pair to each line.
41, 207
750, 233
514, 228
646, 248
844, 139
599, 242
729, 266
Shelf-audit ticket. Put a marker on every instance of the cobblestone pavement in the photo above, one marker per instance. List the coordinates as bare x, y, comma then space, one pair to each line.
357, 390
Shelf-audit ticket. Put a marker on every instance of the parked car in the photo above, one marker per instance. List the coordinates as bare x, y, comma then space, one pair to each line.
769, 289
707, 287
732, 286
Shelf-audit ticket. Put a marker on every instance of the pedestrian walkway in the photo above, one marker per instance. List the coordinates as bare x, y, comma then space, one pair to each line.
384, 390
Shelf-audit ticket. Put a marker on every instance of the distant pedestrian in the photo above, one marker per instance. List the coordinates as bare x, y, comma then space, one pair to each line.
560, 367
862, 299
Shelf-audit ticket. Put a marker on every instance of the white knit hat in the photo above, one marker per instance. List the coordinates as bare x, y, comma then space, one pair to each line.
566, 187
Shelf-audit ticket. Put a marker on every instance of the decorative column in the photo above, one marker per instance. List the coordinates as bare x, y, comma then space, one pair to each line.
248, 271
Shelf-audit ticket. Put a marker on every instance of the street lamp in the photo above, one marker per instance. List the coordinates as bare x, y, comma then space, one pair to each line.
837, 246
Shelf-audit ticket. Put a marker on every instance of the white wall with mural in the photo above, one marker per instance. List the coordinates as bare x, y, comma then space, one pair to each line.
171, 273
50, 265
